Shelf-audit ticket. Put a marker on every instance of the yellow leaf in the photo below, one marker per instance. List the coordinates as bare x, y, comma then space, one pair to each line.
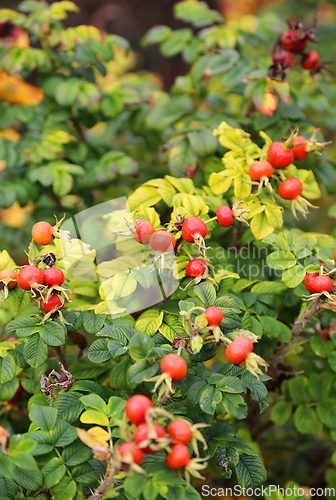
94, 417
194, 204
94, 436
143, 196
260, 226
219, 183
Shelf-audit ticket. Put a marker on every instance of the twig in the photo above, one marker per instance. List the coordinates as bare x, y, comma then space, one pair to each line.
299, 325
165, 399
60, 356
99, 492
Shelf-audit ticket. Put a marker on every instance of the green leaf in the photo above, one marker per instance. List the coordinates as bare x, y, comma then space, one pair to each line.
35, 351
62, 183
206, 292
157, 34
294, 276
250, 471
24, 326
7, 369
64, 433
209, 398
65, 490
320, 385
204, 143
7, 469
299, 390
53, 471
176, 42
93, 323
140, 346
306, 420
98, 351
234, 405
231, 384
326, 411
52, 333
115, 408
281, 259
69, 406
76, 453
44, 417
281, 412
141, 370
28, 479
94, 401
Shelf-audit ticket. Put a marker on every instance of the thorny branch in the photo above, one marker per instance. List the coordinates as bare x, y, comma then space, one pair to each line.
99, 492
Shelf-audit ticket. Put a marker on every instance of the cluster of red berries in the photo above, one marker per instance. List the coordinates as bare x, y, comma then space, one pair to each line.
280, 155
28, 276
50, 277
192, 229
150, 437
294, 42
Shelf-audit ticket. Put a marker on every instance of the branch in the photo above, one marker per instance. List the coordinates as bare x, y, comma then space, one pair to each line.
298, 326
99, 492
60, 356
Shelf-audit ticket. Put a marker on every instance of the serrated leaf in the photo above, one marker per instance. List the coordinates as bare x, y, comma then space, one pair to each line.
44, 417
7, 369
53, 471
35, 351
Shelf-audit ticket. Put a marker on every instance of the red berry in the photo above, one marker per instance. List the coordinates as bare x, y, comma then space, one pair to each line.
310, 59
136, 408
290, 41
178, 457
179, 431
196, 268
53, 277
214, 315
42, 233
309, 281
141, 434
191, 172
322, 284
283, 58
53, 303
335, 255
259, 169
3, 431
278, 156
238, 350
300, 152
225, 216
29, 275
144, 230
174, 365
162, 241
290, 189
8, 273
137, 454
192, 227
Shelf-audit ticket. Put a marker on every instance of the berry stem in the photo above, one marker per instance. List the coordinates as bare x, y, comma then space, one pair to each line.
210, 220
